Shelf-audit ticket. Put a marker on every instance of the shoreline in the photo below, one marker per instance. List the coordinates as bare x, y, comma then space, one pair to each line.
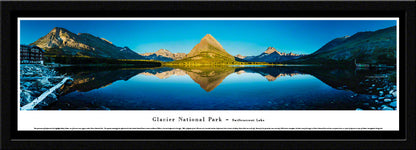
39, 82
168, 64
37, 79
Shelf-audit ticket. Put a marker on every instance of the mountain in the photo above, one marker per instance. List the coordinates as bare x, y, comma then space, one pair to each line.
164, 55
207, 51
240, 56
328, 46
272, 55
209, 46
60, 41
372, 47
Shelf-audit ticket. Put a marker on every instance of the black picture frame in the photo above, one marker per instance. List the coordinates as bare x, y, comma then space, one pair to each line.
13, 139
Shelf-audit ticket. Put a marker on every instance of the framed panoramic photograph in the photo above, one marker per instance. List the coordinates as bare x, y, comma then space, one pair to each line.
147, 73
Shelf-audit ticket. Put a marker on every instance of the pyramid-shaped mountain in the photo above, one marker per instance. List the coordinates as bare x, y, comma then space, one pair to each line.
207, 51
60, 41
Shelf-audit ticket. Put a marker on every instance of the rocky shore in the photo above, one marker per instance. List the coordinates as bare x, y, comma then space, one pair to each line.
382, 92
36, 79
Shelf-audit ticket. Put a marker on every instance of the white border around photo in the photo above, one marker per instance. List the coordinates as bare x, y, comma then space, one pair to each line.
272, 120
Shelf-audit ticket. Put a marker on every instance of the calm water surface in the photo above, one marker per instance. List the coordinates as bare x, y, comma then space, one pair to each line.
215, 88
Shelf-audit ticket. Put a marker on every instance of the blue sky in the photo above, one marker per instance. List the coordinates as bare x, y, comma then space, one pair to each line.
246, 37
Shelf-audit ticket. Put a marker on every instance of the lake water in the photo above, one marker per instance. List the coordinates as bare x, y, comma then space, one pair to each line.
216, 88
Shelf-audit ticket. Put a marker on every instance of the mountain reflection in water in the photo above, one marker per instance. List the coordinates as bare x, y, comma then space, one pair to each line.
209, 78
